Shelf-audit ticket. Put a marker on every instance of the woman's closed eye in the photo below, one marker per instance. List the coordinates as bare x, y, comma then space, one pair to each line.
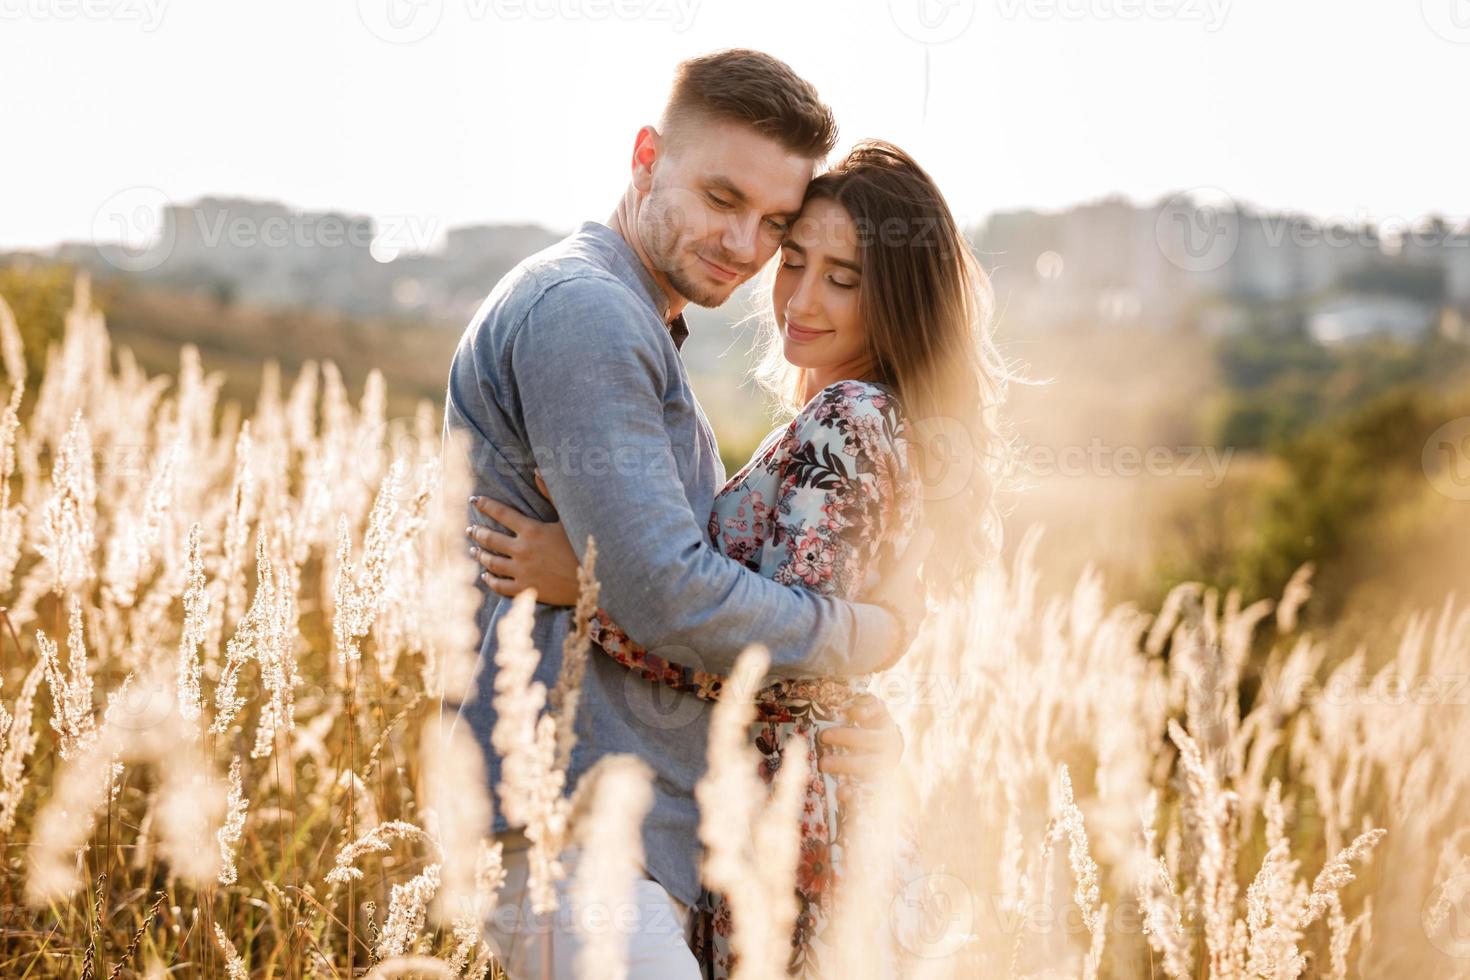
790, 260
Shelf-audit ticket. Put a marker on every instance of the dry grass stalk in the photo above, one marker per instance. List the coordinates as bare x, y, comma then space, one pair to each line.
531, 784
619, 790
750, 836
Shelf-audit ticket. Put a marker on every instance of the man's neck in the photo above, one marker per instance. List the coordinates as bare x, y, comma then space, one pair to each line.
623, 221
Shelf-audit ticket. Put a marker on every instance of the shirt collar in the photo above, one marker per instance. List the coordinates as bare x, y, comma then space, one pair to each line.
678, 328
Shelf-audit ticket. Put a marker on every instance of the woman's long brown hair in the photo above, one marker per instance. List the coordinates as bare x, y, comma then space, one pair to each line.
925, 306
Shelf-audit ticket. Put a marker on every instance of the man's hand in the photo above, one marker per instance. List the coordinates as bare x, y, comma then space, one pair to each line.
872, 744
901, 593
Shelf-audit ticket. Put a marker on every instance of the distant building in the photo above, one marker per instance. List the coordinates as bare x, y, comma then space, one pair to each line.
267, 254
449, 284
1349, 318
1435, 244
1217, 266
1213, 266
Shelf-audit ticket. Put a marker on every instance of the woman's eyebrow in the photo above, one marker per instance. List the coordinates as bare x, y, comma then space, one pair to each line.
791, 246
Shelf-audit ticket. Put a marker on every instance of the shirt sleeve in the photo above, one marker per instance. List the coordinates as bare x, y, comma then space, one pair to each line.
592, 371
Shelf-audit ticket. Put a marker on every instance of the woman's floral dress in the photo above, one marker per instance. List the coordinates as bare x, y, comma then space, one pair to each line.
825, 500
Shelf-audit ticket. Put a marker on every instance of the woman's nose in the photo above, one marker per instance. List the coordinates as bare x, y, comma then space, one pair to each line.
803, 301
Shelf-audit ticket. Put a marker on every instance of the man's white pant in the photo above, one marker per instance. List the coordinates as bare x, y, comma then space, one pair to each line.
655, 926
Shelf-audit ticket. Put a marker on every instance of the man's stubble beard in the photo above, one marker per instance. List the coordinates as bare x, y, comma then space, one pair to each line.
694, 292
662, 243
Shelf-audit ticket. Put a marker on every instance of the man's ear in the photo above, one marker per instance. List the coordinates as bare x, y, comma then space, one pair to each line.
646, 150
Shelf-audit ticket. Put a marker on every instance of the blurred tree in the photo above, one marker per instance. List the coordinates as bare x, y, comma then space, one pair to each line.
1279, 384
1341, 477
39, 295
1425, 283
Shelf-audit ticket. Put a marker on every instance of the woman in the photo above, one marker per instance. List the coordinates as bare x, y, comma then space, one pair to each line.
877, 345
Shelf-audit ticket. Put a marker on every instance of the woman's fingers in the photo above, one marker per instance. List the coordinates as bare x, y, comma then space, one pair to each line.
503, 515
492, 540
498, 565
507, 587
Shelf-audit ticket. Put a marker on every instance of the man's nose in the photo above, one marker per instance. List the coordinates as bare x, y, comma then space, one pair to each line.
741, 239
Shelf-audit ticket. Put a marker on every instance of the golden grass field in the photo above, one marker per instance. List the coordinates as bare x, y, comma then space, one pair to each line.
227, 638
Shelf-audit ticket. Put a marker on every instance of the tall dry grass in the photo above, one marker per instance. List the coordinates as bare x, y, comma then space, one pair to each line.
226, 643
1233, 798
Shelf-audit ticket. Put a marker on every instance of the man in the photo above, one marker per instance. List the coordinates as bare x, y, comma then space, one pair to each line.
572, 365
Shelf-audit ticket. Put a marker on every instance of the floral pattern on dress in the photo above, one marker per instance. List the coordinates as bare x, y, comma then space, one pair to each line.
826, 500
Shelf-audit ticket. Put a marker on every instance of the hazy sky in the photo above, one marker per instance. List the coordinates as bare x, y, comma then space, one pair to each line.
434, 113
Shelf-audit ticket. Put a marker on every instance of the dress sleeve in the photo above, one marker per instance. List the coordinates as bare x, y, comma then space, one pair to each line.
848, 499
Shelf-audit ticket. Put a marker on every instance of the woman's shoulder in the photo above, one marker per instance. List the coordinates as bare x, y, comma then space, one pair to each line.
851, 399
861, 416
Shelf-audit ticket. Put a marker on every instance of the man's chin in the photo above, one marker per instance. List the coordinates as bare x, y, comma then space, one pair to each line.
712, 300
706, 294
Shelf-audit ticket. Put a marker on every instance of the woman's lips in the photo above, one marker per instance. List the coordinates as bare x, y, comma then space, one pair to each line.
802, 334
719, 271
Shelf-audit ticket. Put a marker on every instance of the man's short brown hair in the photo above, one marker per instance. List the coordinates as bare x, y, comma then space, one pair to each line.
751, 87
